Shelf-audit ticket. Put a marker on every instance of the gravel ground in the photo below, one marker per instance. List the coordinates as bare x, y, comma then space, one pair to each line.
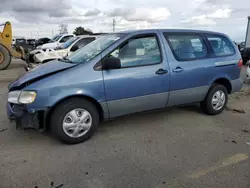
176, 147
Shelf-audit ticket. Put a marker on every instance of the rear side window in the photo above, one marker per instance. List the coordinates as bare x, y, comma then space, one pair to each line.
187, 47
221, 45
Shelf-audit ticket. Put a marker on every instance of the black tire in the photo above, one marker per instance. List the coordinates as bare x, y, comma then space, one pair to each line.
60, 112
206, 105
6, 57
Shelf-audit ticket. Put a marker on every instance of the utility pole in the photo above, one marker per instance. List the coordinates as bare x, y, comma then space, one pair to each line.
114, 25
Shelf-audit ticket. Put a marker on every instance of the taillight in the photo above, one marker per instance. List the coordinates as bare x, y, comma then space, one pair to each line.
240, 63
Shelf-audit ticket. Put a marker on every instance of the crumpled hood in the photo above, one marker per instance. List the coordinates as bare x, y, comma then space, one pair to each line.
40, 72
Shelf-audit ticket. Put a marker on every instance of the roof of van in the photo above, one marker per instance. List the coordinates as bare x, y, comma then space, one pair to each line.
169, 30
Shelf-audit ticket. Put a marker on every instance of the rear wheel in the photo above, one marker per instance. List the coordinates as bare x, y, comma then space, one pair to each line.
216, 100
5, 57
74, 121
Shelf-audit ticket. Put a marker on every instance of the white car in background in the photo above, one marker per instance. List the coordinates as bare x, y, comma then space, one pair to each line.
66, 49
56, 41
248, 72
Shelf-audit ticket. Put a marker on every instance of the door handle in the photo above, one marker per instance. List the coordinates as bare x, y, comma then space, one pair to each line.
161, 71
178, 69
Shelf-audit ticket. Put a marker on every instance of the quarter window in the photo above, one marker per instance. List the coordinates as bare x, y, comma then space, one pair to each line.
221, 45
138, 52
187, 47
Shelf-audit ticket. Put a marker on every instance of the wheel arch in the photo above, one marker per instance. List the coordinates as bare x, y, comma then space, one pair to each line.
86, 97
225, 82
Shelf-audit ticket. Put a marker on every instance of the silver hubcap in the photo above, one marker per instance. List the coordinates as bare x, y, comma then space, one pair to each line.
218, 100
77, 122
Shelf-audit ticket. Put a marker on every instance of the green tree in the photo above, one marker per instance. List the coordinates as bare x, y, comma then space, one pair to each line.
82, 31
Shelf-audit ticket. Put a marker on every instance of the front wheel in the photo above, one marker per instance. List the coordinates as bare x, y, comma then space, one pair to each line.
74, 121
216, 100
5, 57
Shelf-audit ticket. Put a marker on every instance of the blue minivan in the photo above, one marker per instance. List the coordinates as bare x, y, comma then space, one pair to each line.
123, 73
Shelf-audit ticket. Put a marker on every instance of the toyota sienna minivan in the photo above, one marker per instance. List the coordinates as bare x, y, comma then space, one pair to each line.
124, 73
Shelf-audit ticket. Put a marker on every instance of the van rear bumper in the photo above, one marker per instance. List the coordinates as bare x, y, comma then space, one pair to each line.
236, 84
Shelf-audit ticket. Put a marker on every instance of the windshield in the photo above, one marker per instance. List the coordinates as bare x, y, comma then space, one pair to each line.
69, 42
56, 38
91, 50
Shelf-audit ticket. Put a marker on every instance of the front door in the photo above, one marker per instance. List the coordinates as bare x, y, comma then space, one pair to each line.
142, 82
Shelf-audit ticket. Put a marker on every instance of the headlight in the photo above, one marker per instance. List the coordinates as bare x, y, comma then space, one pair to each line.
27, 97
23, 97
13, 96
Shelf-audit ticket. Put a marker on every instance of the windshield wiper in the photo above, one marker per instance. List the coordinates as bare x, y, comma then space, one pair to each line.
65, 60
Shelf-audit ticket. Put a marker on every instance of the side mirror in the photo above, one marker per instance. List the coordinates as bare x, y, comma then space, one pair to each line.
111, 63
74, 48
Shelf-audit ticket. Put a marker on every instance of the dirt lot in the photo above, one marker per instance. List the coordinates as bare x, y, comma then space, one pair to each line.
176, 147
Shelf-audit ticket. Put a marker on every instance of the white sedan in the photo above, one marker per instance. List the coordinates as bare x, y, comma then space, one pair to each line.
248, 72
66, 49
56, 41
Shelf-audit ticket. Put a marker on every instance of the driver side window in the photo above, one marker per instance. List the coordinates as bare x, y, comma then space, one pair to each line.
138, 51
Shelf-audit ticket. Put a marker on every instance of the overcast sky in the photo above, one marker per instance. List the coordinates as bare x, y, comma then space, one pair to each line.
42, 17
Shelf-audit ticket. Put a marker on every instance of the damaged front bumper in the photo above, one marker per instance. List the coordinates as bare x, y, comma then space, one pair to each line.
23, 117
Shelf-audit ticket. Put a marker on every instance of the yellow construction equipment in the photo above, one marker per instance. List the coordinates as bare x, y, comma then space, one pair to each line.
6, 50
